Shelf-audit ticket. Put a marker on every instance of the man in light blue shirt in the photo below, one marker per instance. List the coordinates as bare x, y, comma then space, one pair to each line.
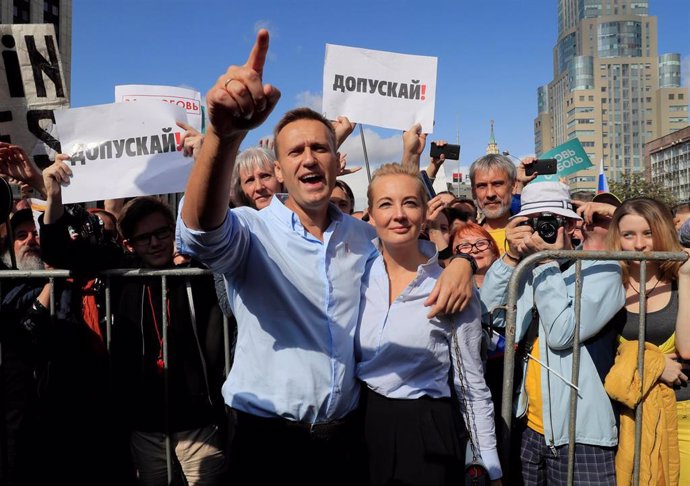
293, 273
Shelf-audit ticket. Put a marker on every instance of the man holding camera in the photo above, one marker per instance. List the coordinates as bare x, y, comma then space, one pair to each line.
545, 331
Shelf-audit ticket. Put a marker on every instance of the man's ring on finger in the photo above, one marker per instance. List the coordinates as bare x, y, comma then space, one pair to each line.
225, 84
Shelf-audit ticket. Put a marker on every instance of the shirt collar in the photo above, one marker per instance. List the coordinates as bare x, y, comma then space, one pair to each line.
428, 249
289, 218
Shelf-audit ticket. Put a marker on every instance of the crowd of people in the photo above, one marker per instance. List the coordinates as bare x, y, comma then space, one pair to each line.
367, 347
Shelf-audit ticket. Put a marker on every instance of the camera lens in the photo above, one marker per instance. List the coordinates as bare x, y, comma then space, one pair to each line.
547, 227
548, 232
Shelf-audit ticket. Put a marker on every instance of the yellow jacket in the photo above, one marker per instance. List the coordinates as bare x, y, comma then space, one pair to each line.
660, 459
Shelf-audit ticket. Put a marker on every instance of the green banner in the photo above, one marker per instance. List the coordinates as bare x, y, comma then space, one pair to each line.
570, 157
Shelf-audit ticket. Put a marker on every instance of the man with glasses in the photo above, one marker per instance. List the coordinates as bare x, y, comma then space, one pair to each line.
189, 412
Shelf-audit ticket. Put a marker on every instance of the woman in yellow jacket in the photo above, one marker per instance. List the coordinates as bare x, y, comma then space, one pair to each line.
642, 224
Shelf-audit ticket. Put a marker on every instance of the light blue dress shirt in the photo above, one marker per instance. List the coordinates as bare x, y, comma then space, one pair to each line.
296, 300
403, 354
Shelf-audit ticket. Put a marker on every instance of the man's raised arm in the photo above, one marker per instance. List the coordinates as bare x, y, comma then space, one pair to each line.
237, 103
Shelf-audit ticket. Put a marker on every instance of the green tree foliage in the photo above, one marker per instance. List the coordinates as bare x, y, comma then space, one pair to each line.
637, 185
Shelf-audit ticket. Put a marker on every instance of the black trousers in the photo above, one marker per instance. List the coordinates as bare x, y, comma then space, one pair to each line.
413, 442
279, 451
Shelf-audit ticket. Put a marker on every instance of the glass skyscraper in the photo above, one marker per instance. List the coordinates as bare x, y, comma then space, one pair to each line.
610, 88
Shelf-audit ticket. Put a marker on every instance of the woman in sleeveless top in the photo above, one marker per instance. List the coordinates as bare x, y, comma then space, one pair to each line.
642, 224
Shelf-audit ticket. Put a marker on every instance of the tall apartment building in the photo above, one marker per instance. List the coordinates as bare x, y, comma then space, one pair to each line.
610, 88
56, 12
668, 162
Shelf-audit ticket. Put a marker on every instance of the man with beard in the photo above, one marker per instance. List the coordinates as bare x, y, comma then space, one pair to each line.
26, 246
493, 179
54, 376
18, 336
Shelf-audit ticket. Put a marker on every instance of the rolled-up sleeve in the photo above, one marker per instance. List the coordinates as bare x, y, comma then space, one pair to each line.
223, 249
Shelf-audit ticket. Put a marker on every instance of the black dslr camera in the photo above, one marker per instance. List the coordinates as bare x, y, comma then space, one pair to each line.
546, 225
83, 225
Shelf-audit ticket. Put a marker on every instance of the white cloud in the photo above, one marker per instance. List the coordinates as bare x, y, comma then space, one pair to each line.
309, 99
263, 24
379, 149
685, 70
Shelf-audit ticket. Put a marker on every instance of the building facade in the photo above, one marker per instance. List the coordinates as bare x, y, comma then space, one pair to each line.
667, 162
610, 88
56, 12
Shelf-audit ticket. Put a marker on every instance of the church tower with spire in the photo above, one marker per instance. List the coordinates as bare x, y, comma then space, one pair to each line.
492, 148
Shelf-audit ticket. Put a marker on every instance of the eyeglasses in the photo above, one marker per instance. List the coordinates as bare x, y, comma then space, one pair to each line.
466, 248
145, 238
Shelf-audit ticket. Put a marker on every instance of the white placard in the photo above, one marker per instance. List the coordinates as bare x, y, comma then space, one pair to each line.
379, 88
186, 98
122, 150
32, 85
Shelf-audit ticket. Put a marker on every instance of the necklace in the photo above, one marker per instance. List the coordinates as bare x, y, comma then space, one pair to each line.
638, 292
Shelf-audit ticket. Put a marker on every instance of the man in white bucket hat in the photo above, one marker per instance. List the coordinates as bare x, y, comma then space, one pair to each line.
545, 330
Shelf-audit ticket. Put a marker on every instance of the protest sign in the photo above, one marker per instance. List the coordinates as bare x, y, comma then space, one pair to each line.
186, 98
379, 88
570, 158
32, 85
122, 150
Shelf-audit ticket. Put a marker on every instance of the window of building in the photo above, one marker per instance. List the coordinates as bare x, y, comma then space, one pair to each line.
21, 9
672, 96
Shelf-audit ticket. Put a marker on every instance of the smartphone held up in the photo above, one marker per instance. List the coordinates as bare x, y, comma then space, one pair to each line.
449, 150
542, 167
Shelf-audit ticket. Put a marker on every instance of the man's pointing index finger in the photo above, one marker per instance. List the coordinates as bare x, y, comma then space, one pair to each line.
257, 57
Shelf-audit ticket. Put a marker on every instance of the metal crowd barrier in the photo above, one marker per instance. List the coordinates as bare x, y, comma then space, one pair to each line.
504, 432
107, 275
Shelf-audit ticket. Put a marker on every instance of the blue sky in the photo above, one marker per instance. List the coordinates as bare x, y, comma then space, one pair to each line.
493, 54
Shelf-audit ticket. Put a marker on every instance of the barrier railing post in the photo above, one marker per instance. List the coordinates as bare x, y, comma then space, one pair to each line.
640, 370
510, 308
575, 373
108, 314
166, 378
